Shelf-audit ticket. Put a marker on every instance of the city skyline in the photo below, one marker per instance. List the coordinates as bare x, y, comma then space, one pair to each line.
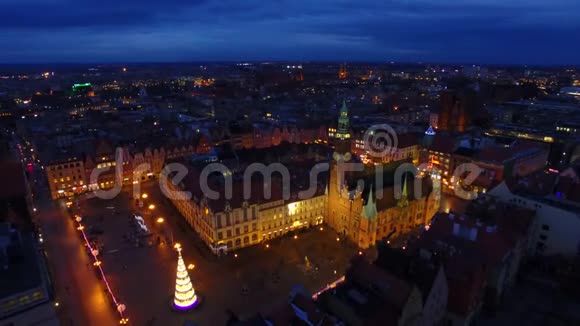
479, 32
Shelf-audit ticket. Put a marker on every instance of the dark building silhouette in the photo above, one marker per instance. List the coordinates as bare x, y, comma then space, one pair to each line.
458, 109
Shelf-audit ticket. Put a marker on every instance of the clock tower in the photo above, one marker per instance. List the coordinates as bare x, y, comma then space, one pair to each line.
342, 136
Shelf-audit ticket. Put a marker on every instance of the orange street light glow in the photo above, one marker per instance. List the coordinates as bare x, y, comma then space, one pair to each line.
144, 196
151, 207
160, 220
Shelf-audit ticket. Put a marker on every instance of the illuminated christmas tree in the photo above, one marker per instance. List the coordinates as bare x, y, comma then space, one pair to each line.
185, 297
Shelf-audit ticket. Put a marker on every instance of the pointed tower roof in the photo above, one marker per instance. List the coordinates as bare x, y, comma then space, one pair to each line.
404, 201
428, 138
369, 210
344, 108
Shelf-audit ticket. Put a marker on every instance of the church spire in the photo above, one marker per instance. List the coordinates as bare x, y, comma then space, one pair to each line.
369, 210
404, 201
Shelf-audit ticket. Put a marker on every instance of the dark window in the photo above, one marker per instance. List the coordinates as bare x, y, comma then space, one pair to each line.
540, 246
546, 227
543, 237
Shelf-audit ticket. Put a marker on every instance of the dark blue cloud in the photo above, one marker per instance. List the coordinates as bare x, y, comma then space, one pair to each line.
493, 31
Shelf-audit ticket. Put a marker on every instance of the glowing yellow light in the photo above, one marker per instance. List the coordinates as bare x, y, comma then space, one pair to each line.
337, 239
267, 246
56, 304
80, 228
151, 207
236, 255
292, 208
360, 253
206, 211
321, 228
97, 263
160, 220
144, 196
177, 245
295, 237
190, 266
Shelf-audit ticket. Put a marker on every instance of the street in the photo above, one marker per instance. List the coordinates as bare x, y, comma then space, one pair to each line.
81, 295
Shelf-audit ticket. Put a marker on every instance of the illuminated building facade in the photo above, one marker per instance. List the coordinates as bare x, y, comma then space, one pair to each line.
71, 176
362, 217
66, 178
407, 148
232, 224
279, 218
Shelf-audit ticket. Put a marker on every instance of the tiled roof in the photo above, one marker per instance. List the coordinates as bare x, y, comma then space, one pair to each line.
443, 143
393, 290
469, 250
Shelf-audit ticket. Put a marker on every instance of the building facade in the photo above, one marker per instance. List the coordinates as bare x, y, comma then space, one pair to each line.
226, 225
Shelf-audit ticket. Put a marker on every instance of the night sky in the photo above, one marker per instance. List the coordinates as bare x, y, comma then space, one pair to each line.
464, 31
